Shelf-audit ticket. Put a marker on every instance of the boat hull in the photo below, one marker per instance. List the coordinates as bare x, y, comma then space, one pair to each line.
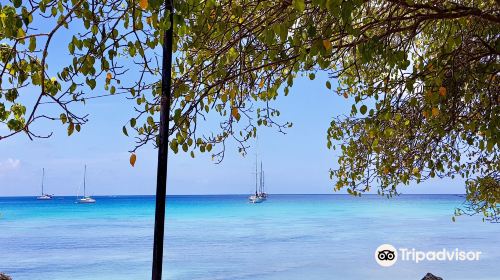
86, 200
255, 199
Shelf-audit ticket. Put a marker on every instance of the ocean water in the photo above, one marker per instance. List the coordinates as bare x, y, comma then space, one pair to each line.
224, 237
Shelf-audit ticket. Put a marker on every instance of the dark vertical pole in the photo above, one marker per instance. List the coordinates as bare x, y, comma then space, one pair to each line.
161, 176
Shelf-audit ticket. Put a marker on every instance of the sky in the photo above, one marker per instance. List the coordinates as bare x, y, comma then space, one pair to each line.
295, 162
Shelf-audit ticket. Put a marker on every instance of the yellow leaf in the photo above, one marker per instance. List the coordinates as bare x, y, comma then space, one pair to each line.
133, 158
425, 114
109, 76
442, 91
327, 44
435, 112
143, 4
235, 113
71, 128
20, 33
261, 85
386, 170
415, 171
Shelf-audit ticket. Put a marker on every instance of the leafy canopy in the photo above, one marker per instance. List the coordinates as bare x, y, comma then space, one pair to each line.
422, 77
109, 36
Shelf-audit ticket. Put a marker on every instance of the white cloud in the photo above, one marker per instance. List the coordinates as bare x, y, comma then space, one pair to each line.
9, 165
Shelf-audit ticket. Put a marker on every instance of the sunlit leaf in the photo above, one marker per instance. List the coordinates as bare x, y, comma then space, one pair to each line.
132, 159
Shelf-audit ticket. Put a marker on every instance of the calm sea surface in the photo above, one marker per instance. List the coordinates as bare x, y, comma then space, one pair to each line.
303, 237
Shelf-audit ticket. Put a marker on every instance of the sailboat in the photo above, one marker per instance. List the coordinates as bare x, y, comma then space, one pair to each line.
259, 196
44, 196
85, 198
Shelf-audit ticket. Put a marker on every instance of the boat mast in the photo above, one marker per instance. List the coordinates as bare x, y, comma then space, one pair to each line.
261, 179
256, 175
43, 176
84, 175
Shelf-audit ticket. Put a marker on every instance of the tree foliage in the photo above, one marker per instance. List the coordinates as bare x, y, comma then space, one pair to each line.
118, 45
422, 76
426, 100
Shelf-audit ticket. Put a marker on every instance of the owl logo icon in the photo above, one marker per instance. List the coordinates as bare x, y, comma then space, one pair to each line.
386, 255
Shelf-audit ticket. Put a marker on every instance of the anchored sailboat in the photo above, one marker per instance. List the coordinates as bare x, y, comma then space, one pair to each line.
260, 194
44, 196
85, 199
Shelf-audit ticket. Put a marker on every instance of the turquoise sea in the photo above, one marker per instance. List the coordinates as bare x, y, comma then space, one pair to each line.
303, 237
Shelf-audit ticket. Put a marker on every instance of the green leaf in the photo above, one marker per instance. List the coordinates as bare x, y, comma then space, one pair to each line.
124, 129
363, 109
333, 6
174, 146
328, 85
71, 48
299, 5
32, 45
14, 124
11, 95
91, 83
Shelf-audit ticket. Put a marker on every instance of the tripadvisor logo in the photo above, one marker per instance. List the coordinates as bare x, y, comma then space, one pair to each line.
386, 255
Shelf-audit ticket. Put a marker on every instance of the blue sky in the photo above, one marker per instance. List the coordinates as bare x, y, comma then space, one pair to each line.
297, 162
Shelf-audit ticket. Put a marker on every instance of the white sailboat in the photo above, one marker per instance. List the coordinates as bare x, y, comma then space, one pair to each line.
44, 196
85, 199
259, 196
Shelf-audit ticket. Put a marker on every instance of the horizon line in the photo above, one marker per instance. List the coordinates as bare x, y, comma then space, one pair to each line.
232, 194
